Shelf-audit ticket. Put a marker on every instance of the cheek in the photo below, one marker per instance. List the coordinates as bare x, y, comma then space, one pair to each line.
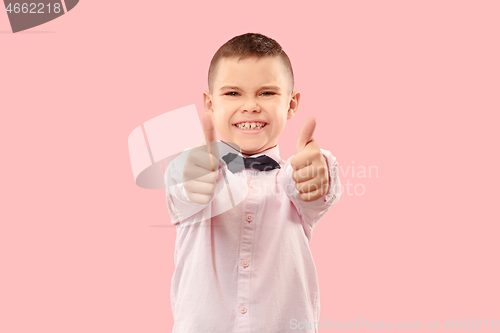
282, 126
281, 120
222, 124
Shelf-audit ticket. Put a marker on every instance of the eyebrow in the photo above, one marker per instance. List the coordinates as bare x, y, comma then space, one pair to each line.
263, 87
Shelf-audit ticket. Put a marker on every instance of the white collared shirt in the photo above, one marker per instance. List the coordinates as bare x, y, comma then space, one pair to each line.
242, 262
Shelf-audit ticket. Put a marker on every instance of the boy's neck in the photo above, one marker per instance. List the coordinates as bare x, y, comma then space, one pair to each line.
247, 155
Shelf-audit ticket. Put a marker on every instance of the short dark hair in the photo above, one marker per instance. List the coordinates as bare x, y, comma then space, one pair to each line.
247, 45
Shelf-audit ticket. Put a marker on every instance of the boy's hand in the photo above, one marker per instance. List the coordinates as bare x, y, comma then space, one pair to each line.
310, 167
202, 166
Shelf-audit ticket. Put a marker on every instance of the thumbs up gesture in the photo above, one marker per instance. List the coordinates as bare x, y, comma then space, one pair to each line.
202, 166
310, 168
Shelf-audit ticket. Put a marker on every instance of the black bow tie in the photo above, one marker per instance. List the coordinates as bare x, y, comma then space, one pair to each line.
237, 163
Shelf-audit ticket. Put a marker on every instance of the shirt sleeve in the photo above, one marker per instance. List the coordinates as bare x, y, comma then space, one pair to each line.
184, 211
312, 211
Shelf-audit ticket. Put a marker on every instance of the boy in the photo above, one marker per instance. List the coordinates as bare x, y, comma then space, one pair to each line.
248, 268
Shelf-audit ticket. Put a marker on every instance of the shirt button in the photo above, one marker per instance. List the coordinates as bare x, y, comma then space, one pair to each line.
245, 263
243, 309
249, 218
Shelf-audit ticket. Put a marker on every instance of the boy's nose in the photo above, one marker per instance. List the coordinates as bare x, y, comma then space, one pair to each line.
251, 106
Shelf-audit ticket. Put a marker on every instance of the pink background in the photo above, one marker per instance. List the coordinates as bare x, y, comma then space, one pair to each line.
411, 88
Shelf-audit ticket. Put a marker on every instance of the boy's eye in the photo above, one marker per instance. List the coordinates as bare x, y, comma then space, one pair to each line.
234, 93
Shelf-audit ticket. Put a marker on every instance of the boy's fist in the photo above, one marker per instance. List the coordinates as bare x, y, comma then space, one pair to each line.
310, 168
202, 165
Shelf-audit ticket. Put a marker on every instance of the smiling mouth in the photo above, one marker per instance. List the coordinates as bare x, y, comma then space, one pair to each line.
250, 126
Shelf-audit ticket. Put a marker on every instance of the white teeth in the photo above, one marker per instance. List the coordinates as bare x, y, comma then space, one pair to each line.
250, 125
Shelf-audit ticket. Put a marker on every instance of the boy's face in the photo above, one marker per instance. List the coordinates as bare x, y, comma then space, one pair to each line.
253, 90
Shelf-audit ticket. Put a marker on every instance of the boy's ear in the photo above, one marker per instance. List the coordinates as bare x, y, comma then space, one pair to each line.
294, 104
207, 101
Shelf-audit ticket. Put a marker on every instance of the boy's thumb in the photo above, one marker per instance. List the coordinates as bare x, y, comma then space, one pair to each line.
306, 135
208, 125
